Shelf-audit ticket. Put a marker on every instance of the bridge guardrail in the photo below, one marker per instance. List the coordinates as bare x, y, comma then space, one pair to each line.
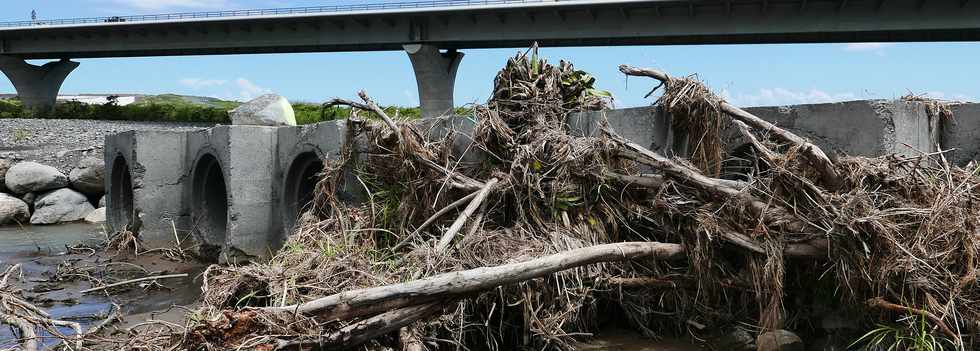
266, 12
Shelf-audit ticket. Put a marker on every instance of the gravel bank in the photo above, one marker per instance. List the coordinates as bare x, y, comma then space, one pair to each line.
61, 143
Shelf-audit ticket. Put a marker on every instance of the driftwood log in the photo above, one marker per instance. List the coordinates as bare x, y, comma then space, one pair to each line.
773, 213
370, 301
383, 298
358, 333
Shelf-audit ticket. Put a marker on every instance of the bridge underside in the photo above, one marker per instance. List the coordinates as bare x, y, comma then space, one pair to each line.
558, 24
423, 32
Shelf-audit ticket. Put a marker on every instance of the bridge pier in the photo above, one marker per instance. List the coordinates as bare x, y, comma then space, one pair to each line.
37, 86
435, 74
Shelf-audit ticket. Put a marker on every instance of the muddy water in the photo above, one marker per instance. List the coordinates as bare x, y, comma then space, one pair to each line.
40, 249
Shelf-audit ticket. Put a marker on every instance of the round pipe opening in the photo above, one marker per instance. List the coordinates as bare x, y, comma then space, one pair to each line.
300, 182
210, 204
120, 200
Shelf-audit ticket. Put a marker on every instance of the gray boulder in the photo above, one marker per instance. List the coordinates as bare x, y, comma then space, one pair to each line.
4, 165
97, 216
102, 201
25, 177
62, 205
29, 199
265, 110
13, 211
779, 340
89, 176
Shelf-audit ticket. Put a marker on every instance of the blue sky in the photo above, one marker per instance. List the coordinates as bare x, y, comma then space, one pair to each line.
747, 75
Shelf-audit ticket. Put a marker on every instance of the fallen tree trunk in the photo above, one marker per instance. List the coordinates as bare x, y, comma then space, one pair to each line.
369, 301
816, 156
474, 280
773, 213
358, 333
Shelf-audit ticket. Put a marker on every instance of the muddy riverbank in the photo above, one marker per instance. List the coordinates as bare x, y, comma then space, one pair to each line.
57, 266
48, 254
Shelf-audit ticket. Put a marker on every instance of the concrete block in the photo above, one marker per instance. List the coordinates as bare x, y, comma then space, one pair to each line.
231, 190
962, 134
463, 149
301, 154
648, 126
146, 176
859, 128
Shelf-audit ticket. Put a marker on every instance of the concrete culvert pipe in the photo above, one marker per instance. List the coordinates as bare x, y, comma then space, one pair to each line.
210, 204
120, 200
300, 181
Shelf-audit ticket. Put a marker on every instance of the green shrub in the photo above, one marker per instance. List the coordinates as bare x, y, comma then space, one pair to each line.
175, 108
307, 113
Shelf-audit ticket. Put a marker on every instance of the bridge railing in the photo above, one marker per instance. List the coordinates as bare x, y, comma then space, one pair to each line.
265, 12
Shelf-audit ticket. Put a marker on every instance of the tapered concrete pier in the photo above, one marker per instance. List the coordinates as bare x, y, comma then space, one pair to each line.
435, 74
37, 86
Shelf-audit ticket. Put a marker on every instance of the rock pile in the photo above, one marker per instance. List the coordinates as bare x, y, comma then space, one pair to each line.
41, 194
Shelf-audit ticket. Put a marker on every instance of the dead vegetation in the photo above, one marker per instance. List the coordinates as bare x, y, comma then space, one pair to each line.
532, 247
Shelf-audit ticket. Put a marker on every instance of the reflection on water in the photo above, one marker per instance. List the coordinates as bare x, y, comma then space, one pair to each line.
40, 249
51, 238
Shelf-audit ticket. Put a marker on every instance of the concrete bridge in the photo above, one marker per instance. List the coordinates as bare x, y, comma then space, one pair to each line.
433, 32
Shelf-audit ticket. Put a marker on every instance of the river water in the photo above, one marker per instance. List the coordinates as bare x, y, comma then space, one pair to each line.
40, 249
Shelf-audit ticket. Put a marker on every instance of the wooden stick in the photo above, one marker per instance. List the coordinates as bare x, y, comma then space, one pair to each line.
767, 154
816, 156
112, 317
664, 283
368, 105
880, 302
137, 280
655, 182
434, 217
772, 213
358, 333
27, 333
743, 241
447, 237
475, 280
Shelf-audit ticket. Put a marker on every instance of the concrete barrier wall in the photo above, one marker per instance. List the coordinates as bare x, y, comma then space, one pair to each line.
859, 128
239, 189
144, 183
962, 134
647, 126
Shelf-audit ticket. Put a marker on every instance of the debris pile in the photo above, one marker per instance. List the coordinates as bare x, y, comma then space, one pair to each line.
539, 244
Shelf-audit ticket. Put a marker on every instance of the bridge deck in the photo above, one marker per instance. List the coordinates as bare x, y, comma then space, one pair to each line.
496, 23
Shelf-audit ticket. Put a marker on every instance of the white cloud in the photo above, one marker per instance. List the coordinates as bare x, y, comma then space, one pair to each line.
866, 46
780, 97
248, 90
240, 89
158, 5
197, 83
